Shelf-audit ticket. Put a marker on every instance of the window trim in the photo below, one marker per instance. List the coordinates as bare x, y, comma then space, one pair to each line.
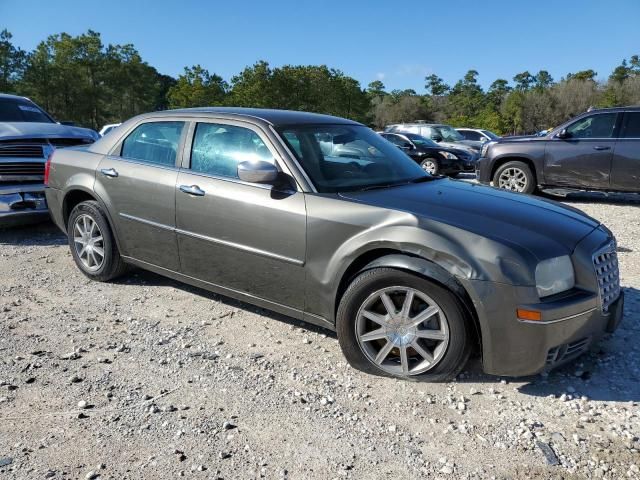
116, 151
185, 165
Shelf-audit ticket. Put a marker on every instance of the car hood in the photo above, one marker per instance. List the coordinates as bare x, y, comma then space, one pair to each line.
18, 130
459, 145
543, 227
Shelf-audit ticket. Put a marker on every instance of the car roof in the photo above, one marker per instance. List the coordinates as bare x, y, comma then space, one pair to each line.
630, 108
273, 117
418, 124
15, 97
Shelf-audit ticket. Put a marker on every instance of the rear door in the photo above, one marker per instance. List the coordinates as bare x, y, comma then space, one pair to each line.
625, 170
248, 237
583, 159
138, 183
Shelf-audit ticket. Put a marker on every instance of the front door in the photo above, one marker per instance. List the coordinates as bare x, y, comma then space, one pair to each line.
250, 238
625, 170
583, 158
138, 186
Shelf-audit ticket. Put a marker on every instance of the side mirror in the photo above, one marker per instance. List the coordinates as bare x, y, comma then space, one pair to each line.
257, 172
436, 138
562, 134
484, 139
68, 124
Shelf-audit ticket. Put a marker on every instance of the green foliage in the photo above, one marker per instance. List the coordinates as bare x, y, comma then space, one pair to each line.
12, 62
196, 87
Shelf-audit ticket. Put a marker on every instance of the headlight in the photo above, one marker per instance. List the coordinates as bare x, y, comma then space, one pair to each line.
485, 148
448, 155
554, 275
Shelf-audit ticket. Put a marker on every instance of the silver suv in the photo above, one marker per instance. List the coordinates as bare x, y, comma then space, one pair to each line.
445, 135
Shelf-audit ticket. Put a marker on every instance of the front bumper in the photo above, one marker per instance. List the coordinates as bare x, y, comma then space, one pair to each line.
22, 204
483, 174
569, 324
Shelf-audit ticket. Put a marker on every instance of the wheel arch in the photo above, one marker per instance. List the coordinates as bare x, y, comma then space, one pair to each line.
407, 262
78, 195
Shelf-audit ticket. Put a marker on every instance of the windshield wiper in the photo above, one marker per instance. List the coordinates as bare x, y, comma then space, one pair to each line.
399, 184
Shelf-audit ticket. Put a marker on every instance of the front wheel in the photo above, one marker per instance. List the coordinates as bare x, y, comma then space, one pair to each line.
92, 244
398, 324
515, 176
430, 165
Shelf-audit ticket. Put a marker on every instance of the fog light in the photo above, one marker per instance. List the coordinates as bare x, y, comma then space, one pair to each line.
529, 315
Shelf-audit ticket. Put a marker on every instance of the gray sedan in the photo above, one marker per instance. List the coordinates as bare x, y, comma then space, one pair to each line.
321, 219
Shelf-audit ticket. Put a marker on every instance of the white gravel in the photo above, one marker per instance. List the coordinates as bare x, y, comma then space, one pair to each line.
148, 378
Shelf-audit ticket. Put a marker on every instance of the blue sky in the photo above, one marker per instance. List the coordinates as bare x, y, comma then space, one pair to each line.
396, 42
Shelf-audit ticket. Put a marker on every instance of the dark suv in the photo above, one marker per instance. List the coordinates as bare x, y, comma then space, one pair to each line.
598, 150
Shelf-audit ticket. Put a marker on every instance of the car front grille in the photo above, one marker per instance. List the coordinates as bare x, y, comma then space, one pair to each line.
605, 262
22, 151
27, 171
567, 351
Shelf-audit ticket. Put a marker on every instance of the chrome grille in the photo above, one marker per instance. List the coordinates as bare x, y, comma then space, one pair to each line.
22, 151
608, 274
23, 171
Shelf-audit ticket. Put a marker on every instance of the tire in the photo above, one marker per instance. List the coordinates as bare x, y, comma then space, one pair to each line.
431, 165
99, 238
363, 299
515, 176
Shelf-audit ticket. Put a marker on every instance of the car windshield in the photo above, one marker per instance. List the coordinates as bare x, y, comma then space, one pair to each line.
420, 140
349, 157
19, 110
491, 135
447, 133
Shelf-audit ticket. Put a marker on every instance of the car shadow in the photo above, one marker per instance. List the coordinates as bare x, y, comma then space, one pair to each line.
146, 278
44, 233
608, 372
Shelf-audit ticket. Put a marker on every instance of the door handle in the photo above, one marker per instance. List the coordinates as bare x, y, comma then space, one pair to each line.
192, 190
601, 147
109, 172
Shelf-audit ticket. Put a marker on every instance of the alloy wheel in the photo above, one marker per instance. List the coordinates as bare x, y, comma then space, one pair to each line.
513, 179
88, 242
402, 331
430, 166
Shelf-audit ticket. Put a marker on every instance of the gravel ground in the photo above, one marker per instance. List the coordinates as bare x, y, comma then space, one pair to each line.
148, 378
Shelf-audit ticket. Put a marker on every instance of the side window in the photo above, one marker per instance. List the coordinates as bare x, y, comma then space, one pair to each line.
631, 125
425, 132
397, 140
470, 135
600, 125
154, 142
218, 149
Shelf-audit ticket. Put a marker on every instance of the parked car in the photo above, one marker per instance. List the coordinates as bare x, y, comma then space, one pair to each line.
412, 271
598, 150
107, 128
27, 135
444, 135
478, 135
432, 157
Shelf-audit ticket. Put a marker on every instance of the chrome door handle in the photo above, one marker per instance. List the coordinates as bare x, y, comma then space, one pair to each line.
601, 147
192, 190
109, 172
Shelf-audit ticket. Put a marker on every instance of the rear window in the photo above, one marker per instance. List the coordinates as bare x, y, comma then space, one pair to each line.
631, 125
21, 110
154, 142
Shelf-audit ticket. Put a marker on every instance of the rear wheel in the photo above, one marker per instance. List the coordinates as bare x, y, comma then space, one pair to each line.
430, 165
92, 244
398, 324
515, 176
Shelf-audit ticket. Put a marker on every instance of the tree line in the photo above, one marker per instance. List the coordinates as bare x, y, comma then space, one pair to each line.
79, 79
